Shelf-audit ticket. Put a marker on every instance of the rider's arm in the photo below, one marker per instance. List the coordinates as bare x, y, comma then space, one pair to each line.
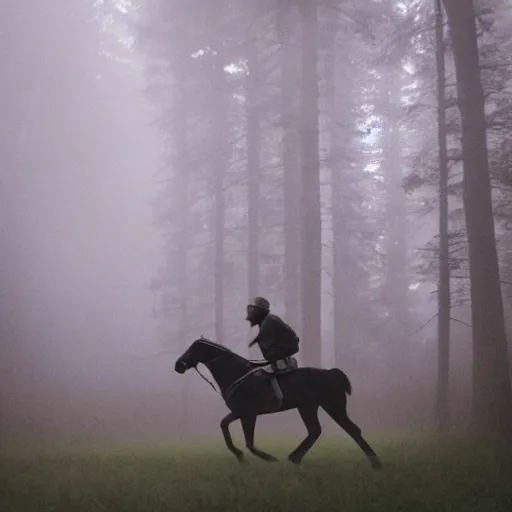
262, 337
267, 334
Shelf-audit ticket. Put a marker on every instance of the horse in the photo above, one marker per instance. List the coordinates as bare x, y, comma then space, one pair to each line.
246, 389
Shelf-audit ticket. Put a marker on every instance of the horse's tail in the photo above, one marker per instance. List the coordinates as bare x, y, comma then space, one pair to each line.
341, 378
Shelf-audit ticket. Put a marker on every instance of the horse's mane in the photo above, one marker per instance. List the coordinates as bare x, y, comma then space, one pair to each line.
216, 345
207, 341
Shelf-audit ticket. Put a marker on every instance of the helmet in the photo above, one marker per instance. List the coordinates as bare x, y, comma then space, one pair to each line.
260, 302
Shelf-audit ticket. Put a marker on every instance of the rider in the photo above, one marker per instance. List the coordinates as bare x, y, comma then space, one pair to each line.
277, 340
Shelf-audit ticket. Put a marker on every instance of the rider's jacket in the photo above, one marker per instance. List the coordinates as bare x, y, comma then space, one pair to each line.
277, 340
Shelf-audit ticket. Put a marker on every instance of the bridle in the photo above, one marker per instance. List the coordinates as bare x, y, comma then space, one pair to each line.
215, 359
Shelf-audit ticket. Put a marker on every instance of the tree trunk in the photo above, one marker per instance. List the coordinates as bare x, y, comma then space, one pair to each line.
180, 269
290, 159
492, 397
343, 285
181, 139
220, 166
396, 278
443, 320
253, 170
311, 264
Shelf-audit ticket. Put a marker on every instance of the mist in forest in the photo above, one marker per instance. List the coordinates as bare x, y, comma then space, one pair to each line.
163, 162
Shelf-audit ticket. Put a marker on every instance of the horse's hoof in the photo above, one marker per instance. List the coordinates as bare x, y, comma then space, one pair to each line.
376, 463
241, 459
295, 460
271, 458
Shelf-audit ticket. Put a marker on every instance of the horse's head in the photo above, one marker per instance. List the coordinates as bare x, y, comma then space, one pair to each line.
201, 350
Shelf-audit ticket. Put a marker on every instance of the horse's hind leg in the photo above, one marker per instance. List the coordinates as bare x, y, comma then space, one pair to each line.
224, 425
338, 413
248, 425
309, 415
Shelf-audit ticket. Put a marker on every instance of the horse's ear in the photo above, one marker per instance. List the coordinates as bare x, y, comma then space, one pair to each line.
201, 337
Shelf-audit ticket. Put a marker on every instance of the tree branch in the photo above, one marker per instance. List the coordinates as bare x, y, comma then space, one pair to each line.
461, 322
424, 325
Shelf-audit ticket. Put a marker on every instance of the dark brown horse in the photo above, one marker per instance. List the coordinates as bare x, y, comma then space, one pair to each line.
247, 391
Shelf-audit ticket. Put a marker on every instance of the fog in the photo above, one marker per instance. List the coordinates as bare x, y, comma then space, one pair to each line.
91, 225
80, 246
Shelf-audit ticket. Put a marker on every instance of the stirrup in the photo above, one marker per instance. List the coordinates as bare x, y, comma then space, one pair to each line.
277, 391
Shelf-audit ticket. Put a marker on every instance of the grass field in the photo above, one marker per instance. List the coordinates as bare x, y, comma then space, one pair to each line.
418, 475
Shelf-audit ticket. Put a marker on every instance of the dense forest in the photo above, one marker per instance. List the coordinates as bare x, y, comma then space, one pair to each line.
349, 161
303, 164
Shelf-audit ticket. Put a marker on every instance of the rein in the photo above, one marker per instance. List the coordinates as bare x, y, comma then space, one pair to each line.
206, 380
234, 384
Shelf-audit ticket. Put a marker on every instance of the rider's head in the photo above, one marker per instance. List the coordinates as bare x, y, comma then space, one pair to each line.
257, 309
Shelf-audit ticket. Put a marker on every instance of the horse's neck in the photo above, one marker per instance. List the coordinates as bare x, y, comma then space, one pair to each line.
225, 371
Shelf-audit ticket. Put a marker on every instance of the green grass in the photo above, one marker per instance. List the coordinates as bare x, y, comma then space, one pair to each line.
418, 475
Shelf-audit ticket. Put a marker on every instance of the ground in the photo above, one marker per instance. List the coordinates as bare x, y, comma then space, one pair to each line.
419, 475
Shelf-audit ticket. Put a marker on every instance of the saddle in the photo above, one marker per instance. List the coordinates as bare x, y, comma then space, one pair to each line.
270, 371
282, 365
286, 365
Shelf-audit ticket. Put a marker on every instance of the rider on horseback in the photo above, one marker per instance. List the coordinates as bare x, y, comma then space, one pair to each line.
276, 339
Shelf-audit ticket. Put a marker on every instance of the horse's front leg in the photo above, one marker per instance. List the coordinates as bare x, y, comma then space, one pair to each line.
224, 425
309, 416
248, 425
